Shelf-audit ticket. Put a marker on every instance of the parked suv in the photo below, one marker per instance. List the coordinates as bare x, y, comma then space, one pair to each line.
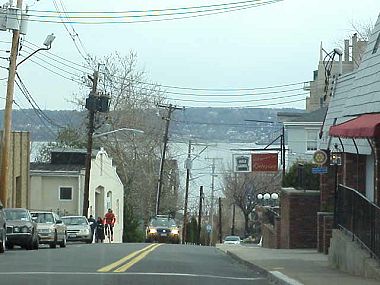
78, 228
3, 229
21, 229
162, 229
51, 230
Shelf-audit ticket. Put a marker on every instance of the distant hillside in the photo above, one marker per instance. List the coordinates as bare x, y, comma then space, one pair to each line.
43, 128
227, 124
212, 124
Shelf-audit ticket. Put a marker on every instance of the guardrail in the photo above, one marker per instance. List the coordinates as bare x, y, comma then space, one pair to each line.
359, 217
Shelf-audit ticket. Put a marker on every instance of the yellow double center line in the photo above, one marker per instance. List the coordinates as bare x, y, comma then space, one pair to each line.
133, 258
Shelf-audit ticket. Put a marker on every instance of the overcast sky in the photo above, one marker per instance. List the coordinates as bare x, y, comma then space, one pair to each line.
263, 46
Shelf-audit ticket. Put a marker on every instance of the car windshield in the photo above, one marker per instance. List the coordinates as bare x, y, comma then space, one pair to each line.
232, 238
16, 215
74, 220
163, 222
43, 218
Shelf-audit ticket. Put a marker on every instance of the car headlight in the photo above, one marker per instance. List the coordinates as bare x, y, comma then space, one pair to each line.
152, 231
175, 231
51, 229
16, 229
85, 231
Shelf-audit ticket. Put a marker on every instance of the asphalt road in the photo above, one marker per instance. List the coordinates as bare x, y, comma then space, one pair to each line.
125, 264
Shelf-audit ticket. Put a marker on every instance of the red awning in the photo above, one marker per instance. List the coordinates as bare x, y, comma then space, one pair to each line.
364, 126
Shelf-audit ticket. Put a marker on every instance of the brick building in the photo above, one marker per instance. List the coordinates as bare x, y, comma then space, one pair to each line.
350, 192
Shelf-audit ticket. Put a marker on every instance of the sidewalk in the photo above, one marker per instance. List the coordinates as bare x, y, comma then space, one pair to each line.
287, 266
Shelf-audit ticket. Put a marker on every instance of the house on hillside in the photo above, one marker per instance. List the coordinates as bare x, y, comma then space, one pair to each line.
351, 133
59, 185
302, 130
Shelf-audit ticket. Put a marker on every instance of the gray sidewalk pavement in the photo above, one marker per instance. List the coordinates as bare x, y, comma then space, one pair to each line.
287, 266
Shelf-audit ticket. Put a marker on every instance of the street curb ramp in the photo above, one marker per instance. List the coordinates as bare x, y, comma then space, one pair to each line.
274, 277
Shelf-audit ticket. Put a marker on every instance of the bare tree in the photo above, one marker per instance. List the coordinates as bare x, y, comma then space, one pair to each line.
133, 104
242, 189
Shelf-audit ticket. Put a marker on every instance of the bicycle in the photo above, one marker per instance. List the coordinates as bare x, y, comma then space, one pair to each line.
108, 232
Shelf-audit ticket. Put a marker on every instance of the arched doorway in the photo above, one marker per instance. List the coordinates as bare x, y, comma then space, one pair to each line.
99, 202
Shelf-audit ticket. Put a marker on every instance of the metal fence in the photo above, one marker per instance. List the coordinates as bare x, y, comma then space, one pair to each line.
360, 217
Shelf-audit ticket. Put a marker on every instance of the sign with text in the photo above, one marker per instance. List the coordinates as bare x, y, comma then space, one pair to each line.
265, 162
242, 162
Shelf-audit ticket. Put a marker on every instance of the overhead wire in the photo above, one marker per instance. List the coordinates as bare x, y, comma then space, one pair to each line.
65, 22
75, 66
35, 110
182, 15
33, 102
150, 10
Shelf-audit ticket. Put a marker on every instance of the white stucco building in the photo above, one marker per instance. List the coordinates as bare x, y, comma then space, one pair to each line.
59, 185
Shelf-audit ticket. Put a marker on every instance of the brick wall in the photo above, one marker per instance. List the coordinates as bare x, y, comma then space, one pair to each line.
269, 236
272, 234
298, 218
320, 230
354, 175
327, 185
328, 223
277, 227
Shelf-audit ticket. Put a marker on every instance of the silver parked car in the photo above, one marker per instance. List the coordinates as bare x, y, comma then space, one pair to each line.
78, 228
51, 230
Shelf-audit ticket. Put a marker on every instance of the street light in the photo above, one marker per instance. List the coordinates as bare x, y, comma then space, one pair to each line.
47, 43
266, 198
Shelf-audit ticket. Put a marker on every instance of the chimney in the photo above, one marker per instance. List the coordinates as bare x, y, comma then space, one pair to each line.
346, 50
355, 52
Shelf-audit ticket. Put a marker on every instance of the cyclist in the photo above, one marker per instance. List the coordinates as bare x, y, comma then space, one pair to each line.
109, 221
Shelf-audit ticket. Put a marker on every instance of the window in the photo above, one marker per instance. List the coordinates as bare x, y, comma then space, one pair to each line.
311, 140
65, 193
375, 48
109, 200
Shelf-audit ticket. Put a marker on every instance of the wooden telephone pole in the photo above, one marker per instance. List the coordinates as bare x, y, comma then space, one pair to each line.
4, 179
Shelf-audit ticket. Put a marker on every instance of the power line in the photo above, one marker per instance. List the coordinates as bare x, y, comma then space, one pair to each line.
55, 72
35, 110
33, 103
149, 10
200, 14
75, 34
76, 66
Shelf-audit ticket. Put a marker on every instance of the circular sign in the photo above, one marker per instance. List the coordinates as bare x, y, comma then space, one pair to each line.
320, 157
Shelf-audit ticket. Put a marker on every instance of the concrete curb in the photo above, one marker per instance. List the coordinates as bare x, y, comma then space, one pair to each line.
274, 277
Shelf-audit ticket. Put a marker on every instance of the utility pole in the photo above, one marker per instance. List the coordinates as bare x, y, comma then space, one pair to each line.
220, 220
90, 132
4, 181
188, 168
213, 175
200, 214
170, 108
233, 220
233, 207
283, 152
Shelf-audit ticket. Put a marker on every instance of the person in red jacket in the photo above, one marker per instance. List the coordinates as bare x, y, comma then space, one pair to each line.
109, 221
